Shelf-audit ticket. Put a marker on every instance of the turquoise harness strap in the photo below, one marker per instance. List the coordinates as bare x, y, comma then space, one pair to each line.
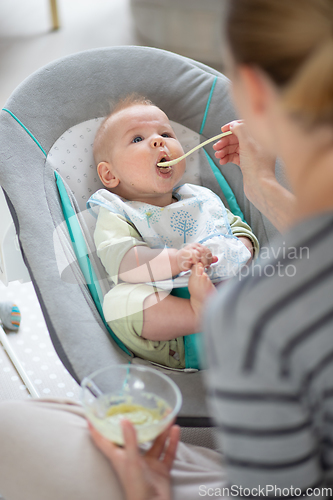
207, 106
193, 342
226, 189
81, 252
26, 129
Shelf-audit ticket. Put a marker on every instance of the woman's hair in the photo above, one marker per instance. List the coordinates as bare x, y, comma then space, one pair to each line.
292, 41
100, 142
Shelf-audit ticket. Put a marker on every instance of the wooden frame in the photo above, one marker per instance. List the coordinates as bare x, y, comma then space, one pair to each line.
54, 14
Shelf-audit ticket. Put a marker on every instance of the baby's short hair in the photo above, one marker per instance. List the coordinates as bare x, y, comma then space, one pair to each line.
133, 99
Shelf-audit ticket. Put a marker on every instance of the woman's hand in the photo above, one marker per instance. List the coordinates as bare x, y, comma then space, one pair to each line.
258, 169
143, 476
240, 148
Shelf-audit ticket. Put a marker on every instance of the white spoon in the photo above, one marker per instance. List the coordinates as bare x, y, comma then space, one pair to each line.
177, 160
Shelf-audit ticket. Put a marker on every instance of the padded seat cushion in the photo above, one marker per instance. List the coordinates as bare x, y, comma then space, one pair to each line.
57, 97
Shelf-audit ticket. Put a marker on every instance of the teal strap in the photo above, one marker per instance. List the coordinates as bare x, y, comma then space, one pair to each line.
192, 350
193, 342
25, 128
226, 189
208, 105
81, 252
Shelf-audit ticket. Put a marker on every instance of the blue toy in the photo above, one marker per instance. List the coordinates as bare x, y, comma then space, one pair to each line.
10, 315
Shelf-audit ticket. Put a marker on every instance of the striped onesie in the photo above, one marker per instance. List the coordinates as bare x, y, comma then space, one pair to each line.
269, 345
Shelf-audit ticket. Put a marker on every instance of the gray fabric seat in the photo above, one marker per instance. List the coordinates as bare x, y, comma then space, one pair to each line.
58, 96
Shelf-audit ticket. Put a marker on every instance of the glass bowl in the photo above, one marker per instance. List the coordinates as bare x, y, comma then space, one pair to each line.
146, 397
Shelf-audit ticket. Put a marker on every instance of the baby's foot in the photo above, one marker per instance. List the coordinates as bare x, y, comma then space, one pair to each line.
200, 287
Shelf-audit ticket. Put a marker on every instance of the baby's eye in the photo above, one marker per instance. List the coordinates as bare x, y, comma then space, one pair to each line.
166, 135
137, 139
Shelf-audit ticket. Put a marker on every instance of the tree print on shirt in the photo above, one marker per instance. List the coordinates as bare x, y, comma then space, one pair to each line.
153, 215
150, 213
184, 224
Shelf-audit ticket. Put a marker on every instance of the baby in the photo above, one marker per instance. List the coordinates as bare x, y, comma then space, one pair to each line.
151, 236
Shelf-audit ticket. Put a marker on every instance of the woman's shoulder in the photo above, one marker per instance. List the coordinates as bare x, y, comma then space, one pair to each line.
274, 301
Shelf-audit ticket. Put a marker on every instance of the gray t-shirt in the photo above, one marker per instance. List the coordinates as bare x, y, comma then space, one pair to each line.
269, 345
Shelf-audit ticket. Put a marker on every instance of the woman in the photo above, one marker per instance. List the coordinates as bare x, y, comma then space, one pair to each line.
270, 376
271, 366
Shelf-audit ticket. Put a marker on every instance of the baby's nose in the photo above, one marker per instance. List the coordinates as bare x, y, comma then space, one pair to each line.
157, 142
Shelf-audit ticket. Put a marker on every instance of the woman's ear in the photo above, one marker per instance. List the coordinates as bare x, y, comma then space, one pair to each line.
104, 170
258, 100
258, 88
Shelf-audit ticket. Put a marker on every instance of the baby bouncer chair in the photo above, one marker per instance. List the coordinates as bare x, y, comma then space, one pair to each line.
47, 173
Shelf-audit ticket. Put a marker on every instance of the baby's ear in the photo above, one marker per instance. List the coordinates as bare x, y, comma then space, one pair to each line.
104, 170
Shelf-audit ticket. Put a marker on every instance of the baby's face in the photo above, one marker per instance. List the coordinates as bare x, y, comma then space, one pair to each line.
140, 137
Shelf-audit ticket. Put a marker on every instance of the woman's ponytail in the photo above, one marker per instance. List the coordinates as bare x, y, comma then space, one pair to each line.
292, 41
309, 95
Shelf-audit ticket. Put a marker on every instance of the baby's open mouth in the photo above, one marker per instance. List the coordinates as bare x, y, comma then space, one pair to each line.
162, 168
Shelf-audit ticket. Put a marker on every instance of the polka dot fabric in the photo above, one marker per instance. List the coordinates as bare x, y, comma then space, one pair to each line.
72, 156
33, 347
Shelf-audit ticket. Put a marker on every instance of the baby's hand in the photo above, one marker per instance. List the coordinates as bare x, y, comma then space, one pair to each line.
192, 254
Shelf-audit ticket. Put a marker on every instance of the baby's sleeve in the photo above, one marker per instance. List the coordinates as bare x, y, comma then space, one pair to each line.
240, 228
113, 237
